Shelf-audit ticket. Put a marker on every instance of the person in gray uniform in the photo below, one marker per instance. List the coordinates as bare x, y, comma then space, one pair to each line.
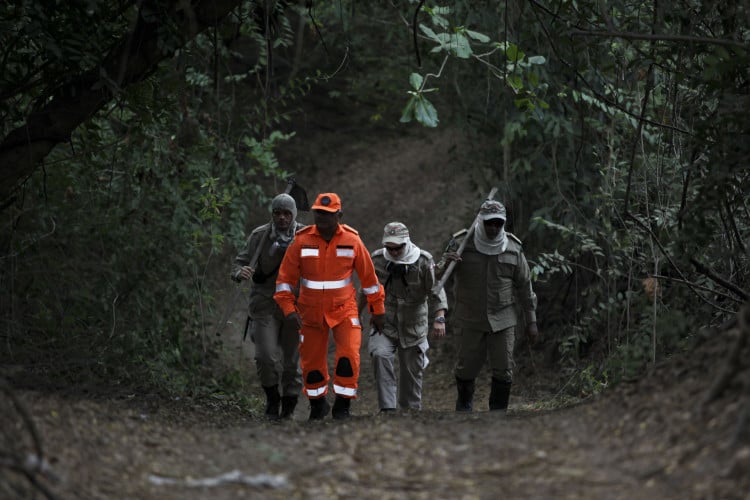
412, 311
490, 279
276, 342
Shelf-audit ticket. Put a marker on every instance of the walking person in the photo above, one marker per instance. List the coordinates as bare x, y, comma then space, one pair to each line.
276, 342
412, 311
490, 277
321, 261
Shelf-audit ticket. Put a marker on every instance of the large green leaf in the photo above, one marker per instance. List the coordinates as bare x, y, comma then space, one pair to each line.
425, 113
460, 46
408, 113
415, 79
480, 37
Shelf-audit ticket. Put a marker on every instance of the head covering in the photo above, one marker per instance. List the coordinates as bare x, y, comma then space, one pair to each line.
395, 232
285, 202
281, 239
328, 202
492, 209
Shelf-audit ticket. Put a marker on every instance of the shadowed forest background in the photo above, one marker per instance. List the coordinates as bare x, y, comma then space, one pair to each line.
141, 141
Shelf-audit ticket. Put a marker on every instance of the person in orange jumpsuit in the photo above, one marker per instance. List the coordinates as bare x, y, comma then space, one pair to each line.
321, 261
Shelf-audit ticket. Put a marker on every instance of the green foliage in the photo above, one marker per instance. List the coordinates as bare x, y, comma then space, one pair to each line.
230, 388
419, 107
632, 354
514, 69
110, 252
549, 263
587, 382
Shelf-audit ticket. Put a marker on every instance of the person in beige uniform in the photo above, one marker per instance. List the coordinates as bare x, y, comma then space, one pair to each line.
490, 277
411, 312
276, 342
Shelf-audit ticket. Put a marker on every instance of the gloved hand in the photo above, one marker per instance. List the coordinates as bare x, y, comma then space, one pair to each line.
378, 321
294, 320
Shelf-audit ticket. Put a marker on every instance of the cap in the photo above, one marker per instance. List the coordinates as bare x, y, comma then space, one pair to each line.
285, 202
492, 209
395, 232
328, 202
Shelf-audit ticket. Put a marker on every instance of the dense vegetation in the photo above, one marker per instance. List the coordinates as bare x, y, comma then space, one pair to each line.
133, 134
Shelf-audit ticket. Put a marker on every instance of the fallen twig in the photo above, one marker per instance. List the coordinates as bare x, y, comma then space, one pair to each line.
235, 476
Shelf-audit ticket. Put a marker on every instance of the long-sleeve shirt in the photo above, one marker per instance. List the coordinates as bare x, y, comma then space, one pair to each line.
487, 287
266, 268
323, 272
410, 305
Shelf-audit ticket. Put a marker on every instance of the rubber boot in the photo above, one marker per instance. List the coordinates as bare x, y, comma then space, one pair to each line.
319, 408
272, 402
499, 395
288, 404
464, 401
340, 409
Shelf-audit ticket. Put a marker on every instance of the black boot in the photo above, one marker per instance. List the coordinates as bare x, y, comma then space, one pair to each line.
319, 408
272, 402
288, 404
499, 395
465, 388
340, 408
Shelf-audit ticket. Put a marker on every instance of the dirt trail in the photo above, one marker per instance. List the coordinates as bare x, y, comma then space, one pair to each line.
631, 443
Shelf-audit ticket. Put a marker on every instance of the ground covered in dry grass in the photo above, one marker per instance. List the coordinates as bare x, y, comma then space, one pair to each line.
650, 439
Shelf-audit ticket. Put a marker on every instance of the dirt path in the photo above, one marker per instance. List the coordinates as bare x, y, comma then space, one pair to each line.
633, 443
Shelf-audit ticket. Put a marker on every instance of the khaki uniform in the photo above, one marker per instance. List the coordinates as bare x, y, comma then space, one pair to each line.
410, 309
488, 290
276, 343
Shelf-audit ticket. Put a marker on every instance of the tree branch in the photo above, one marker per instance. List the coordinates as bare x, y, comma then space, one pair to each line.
593, 88
643, 226
135, 57
696, 285
706, 271
656, 37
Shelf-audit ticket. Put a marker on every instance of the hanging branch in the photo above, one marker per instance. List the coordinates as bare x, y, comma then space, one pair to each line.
672, 263
733, 223
414, 32
685, 185
658, 37
696, 285
706, 271
309, 6
638, 130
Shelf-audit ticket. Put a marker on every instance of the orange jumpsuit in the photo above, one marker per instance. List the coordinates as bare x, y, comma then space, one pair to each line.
323, 270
